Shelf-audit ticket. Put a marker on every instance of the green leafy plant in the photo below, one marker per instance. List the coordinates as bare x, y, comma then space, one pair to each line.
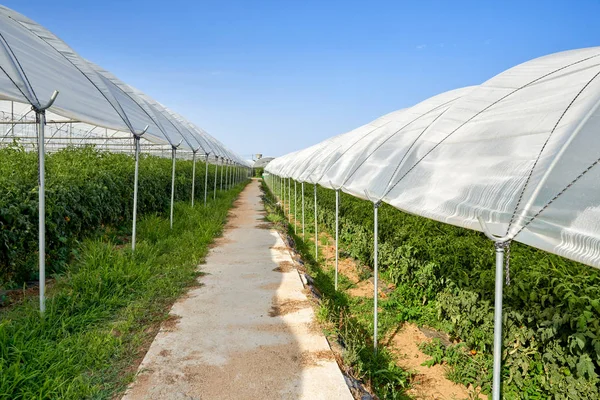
88, 191
444, 278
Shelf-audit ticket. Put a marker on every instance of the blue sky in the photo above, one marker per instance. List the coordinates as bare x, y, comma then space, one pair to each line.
275, 76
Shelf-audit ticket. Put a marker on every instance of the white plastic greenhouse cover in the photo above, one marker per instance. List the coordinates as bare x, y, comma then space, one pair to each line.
35, 63
520, 151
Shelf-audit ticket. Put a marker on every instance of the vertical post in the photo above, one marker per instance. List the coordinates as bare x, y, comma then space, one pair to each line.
337, 213
376, 273
12, 117
316, 227
303, 211
41, 123
230, 175
283, 195
205, 178
295, 207
497, 374
193, 175
215, 178
289, 199
222, 176
136, 140
227, 175
40, 115
173, 155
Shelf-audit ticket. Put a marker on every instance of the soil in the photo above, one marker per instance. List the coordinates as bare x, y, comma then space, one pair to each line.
428, 382
284, 266
287, 307
170, 324
366, 289
12, 297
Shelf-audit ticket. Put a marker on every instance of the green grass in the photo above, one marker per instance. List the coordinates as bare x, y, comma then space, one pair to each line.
104, 308
347, 319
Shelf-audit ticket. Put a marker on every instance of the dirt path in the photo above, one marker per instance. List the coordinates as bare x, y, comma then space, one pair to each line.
248, 332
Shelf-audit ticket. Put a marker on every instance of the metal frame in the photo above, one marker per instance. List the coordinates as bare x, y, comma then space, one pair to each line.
376, 204
205, 178
40, 114
136, 139
316, 227
173, 156
303, 236
193, 175
500, 244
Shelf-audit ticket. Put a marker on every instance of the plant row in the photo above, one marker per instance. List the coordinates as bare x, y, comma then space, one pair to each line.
443, 277
105, 309
86, 191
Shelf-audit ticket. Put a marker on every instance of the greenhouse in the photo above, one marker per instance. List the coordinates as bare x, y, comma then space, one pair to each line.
513, 157
52, 98
140, 257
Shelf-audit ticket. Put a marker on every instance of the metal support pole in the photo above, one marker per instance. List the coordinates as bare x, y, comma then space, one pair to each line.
316, 227
375, 271
227, 175
283, 195
295, 208
289, 200
136, 140
303, 211
40, 114
337, 213
41, 119
173, 155
205, 178
222, 176
193, 175
500, 243
497, 374
215, 178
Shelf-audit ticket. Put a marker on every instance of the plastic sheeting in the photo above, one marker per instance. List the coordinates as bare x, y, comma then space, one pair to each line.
520, 151
34, 63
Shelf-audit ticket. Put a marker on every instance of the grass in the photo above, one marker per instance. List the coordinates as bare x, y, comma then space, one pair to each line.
347, 319
106, 308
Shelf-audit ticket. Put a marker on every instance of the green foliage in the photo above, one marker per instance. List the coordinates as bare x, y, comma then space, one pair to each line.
101, 311
444, 278
86, 191
258, 172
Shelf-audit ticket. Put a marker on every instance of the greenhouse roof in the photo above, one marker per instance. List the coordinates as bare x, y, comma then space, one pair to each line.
518, 152
36, 63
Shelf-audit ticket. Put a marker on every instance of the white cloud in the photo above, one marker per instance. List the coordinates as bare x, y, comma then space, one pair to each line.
421, 46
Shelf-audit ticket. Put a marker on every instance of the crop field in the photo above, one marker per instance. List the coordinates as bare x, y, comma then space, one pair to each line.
442, 277
105, 303
88, 192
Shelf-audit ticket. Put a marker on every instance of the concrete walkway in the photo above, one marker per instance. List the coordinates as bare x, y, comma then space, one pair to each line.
248, 332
